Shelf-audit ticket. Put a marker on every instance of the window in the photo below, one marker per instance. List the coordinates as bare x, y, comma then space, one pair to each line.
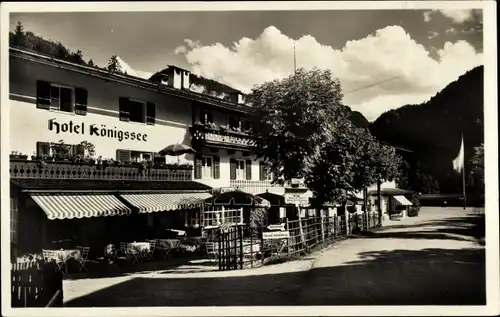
137, 111
58, 97
192, 218
240, 169
234, 123
214, 218
54, 149
206, 167
13, 220
268, 175
133, 156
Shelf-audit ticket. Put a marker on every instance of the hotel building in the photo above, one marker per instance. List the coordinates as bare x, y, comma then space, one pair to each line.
61, 113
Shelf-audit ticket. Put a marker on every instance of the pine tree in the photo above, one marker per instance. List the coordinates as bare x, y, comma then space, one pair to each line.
113, 65
91, 63
19, 37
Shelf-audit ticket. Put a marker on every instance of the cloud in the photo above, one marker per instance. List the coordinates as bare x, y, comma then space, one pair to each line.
388, 53
432, 35
450, 30
458, 15
427, 16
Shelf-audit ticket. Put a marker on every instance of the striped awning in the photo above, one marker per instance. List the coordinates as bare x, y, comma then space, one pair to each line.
403, 200
69, 206
162, 202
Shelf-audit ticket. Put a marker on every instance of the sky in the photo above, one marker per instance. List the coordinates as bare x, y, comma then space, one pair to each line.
384, 59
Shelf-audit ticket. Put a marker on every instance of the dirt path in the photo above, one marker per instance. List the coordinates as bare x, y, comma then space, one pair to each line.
432, 259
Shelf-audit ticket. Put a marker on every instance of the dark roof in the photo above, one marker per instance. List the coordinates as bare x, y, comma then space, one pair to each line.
46, 185
391, 191
128, 79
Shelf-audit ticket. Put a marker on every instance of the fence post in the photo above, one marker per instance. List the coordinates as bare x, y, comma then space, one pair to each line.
251, 247
322, 214
240, 238
262, 244
288, 240
301, 229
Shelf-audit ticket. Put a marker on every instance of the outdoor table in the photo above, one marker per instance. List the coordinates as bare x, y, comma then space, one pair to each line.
169, 243
62, 256
138, 247
180, 233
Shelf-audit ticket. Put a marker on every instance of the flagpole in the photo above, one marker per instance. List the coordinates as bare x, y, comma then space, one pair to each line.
463, 175
294, 60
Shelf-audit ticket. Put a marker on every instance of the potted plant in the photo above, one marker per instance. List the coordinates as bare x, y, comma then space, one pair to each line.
18, 155
62, 151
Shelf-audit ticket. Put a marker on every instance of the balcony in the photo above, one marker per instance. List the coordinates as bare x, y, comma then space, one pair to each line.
221, 137
255, 187
125, 171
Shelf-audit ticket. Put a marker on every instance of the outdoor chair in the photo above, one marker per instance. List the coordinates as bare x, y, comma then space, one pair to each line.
212, 250
50, 255
148, 255
165, 248
127, 254
84, 254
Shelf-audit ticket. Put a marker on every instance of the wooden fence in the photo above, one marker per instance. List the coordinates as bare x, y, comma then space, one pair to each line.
34, 285
305, 236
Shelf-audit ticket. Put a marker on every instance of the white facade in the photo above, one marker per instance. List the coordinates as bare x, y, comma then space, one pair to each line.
173, 117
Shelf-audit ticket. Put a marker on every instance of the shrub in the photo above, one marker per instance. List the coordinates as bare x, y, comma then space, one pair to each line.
415, 208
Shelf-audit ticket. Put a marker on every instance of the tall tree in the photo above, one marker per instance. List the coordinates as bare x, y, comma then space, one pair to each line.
77, 58
386, 167
342, 167
91, 63
477, 168
113, 65
19, 37
293, 117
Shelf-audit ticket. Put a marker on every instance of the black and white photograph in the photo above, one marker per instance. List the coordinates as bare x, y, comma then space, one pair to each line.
249, 158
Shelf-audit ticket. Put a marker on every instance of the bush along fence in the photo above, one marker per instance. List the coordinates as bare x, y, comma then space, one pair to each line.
36, 284
243, 247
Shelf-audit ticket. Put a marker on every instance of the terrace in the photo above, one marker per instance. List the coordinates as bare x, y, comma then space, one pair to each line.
211, 135
107, 170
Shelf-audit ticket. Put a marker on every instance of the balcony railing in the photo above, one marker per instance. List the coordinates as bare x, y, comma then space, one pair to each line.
253, 187
208, 136
68, 170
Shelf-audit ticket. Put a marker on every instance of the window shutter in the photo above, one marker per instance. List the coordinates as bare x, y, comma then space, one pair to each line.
232, 169
81, 96
123, 155
197, 167
124, 105
216, 167
262, 171
43, 94
248, 167
150, 113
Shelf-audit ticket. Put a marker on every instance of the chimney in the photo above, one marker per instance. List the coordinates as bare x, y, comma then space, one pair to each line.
185, 79
174, 77
237, 97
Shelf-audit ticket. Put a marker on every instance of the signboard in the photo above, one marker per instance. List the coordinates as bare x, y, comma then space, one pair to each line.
227, 189
276, 235
280, 226
296, 199
96, 130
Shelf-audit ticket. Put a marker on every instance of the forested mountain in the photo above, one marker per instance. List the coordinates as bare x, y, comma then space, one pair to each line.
433, 130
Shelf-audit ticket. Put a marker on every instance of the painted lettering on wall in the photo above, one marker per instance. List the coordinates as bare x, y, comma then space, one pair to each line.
96, 130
